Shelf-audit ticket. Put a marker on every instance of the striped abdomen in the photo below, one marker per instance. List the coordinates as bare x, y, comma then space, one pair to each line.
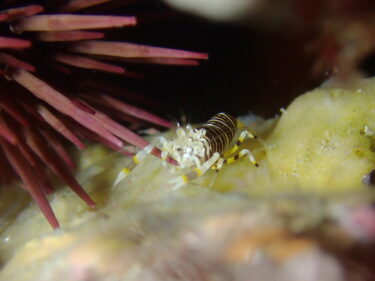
220, 131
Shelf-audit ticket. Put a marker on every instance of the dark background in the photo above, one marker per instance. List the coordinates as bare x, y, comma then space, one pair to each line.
255, 65
250, 67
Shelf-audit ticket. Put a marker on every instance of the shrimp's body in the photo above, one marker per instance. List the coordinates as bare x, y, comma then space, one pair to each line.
199, 149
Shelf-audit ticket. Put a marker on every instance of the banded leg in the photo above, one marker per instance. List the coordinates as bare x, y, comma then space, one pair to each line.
164, 153
239, 155
234, 148
240, 140
218, 165
136, 159
197, 172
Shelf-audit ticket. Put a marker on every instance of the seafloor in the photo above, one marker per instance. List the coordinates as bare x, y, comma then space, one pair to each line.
305, 214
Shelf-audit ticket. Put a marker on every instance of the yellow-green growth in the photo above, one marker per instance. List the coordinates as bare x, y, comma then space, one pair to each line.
324, 140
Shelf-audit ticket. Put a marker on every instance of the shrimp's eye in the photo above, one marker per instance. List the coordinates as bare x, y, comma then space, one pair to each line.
179, 149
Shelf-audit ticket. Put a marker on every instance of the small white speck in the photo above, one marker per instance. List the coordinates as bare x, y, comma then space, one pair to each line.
367, 131
295, 174
256, 257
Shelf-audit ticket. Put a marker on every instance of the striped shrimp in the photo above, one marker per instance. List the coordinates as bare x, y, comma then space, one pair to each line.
197, 150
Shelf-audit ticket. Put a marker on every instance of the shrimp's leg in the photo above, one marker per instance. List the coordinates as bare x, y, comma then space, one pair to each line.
196, 172
239, 155
240, 140
135, 160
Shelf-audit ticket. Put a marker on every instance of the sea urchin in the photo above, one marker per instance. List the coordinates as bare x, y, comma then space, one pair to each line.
43, 53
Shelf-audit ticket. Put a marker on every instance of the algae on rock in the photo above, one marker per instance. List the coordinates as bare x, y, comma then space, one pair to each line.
308, 190
324, 140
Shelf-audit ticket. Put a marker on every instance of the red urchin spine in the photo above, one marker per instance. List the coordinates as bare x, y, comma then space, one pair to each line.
87, 113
